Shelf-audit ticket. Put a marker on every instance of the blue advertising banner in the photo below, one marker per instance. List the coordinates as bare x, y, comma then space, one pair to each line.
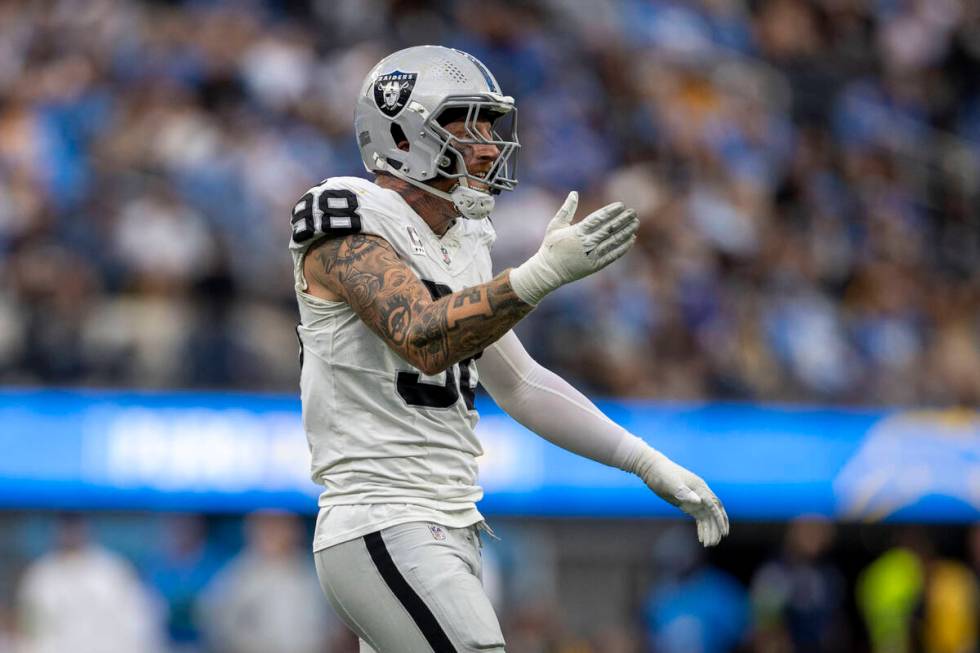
238, 452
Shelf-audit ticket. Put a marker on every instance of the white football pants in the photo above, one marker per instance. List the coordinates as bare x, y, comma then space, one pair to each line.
412, 588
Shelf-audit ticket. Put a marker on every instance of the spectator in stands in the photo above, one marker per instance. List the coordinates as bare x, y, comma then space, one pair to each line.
8, 629
268, 597
179, 572
693, 607
951, 602
914, 600
83, 598
951, 606
807, 172
798, 598
889, 594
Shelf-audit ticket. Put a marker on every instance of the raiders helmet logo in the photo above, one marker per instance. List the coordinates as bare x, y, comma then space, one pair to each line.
391, 91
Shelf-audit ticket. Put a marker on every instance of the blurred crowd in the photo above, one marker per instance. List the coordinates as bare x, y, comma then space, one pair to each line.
807, 173
248, 586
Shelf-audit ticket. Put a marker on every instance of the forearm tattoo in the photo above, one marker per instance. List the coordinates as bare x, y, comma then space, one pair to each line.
432, 334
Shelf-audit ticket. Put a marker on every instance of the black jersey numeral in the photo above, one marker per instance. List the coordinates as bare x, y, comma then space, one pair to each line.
416, 392
338, 215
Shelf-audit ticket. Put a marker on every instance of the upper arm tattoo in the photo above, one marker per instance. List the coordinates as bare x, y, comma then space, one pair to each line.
430, 333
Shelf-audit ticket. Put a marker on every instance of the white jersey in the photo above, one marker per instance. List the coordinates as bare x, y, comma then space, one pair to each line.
390, 444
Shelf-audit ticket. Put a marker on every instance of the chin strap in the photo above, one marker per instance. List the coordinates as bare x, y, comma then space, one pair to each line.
472, 204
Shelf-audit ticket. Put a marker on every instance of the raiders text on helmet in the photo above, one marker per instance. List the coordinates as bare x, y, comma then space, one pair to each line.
403, 99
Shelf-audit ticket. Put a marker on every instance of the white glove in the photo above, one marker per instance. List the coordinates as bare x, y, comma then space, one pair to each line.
684, 489
572, 251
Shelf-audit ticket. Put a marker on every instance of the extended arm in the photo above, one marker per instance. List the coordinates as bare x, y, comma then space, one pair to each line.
432, 334
545, 403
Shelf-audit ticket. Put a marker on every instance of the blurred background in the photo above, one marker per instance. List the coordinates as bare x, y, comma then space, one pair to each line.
799, 322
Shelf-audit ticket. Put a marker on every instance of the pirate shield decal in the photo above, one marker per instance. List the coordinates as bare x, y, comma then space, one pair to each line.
391, 91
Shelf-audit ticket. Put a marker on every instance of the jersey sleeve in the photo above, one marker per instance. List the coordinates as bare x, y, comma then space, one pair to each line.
338, 207
343, 206
325, 212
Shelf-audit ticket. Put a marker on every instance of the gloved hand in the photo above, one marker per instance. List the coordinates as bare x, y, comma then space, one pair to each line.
684, 489
572, 251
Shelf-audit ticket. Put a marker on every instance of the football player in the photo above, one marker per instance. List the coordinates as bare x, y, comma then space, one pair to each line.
400, 317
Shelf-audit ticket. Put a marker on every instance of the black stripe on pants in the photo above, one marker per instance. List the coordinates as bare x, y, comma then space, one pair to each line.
417, 609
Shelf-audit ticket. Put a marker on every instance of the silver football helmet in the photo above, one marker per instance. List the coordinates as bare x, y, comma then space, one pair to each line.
409, 97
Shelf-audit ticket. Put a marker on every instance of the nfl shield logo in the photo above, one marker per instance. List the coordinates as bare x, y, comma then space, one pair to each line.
437, 532
391, 91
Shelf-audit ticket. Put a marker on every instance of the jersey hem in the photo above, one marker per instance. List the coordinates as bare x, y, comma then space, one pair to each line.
321, 543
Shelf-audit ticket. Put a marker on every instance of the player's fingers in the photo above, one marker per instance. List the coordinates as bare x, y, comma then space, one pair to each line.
623, 221
601, 217
610, 236
712, 532
625, 224
719, 530
723, 515
714, 504
567, 211
713, 509
708, 539
610, 241
715, 515
715, 536
607, 256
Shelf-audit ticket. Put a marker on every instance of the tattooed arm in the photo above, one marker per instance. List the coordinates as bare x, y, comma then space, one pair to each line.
365, 272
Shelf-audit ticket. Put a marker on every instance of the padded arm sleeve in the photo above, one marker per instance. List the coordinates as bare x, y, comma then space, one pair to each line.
548, 405
545, 403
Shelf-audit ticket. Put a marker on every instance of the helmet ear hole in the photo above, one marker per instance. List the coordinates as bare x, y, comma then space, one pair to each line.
398, 134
